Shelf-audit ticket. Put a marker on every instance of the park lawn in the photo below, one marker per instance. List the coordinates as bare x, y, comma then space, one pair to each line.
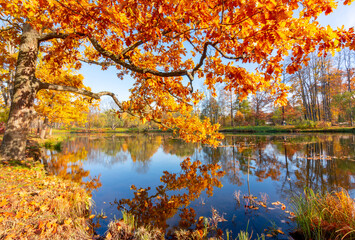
285, 129
34, 205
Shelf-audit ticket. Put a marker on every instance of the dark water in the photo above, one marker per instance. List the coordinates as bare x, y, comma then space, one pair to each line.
177, 182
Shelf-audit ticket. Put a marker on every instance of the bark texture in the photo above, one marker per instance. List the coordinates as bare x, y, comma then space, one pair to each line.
25, 88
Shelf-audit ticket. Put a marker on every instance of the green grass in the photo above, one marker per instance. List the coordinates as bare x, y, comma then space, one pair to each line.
285, 129
325, 216
258, 129
55, 142
108, 130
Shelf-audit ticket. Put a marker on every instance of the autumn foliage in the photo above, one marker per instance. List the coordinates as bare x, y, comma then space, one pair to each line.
155, 209
35, 206
165, 46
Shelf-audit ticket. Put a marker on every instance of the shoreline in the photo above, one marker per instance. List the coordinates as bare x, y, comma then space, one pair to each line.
241, 129
34, 204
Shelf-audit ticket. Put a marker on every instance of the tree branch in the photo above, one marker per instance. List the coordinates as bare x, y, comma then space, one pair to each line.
228, 57
130, 48
203, 56
50, 86
52, 35
117, 59
103, 64
6, 29
12, 23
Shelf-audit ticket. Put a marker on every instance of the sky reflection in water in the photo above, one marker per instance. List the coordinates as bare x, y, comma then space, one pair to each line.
276, 166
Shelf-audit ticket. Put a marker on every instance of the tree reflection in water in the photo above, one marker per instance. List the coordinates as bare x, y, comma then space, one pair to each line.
155, 209
69, 165
291, 162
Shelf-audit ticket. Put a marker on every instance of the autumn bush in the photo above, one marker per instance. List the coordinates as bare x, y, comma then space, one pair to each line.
306, 124
34, 205
325, 216
323, 124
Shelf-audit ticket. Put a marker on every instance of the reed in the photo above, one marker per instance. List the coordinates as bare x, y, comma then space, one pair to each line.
325, 216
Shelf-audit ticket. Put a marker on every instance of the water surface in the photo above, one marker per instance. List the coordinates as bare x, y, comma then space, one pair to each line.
170, 184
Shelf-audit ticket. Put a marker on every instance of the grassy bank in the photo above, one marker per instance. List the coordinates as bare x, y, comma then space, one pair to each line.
52, 142
34, 205
107, 130
325, 216
285, 129
61, 133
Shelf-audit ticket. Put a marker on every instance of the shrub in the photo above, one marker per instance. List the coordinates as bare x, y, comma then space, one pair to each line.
306, 124
323, 124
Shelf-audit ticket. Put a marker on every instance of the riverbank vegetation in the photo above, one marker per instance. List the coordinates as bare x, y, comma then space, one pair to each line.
165, 48
325, 216
34, 205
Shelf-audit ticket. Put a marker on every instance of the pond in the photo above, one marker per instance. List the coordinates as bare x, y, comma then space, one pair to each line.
249, 179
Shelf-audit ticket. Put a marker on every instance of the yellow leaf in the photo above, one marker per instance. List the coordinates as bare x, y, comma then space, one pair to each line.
68, 221
279, 231
108, 236
3, 203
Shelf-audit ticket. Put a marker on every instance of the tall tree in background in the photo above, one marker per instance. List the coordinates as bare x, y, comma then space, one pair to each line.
324, 88
211, 109
349, 68
260, 101
148, 39
227, 101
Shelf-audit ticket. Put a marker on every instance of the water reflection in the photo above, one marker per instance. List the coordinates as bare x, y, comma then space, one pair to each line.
69, 165
175, 182
176, 191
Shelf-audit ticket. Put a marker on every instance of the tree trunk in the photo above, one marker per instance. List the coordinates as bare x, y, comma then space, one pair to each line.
231, 108
350, 99
44, 128
25, 88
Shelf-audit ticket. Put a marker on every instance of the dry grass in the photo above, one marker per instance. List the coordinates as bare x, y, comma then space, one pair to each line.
325, 216
237, 197
34, 205
126, 229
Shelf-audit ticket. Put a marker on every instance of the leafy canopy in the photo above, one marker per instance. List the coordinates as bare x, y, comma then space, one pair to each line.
167, 45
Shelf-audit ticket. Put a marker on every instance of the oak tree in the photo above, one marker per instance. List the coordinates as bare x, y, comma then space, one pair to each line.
165, 46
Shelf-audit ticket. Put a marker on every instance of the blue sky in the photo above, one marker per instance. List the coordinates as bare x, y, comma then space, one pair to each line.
107, 80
